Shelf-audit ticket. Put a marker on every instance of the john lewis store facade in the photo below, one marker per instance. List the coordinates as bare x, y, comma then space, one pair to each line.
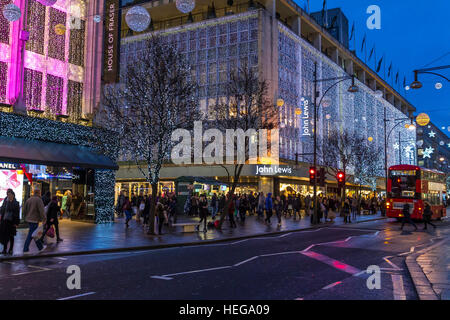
281, 43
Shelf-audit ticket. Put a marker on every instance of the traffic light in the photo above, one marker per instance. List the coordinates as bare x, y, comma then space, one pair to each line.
312, 175
321, 177
340, 176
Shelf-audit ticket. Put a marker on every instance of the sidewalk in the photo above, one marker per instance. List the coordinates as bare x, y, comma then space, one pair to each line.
435, 264
85, 238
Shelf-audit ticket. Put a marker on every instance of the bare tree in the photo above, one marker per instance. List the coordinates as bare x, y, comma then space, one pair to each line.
155, 96
247, 107
367, 165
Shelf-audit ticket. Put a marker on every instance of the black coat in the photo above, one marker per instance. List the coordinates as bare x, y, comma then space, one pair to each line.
7, 227
52, 212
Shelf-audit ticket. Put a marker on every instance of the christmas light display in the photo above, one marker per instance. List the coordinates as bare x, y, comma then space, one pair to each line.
361, 112
60, 29
47, 3
422, 119
13, 125
438, 85
432, 134
185, 6
427, 152
11, 12
97, 18
51, 25
138, 18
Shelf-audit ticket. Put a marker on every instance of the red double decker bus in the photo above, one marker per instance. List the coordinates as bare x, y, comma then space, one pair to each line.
415, 185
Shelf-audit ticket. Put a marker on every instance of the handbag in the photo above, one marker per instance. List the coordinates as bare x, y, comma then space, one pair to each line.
50, 232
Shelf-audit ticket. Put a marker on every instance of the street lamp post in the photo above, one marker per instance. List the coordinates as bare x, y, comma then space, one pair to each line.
417, 84
353, 88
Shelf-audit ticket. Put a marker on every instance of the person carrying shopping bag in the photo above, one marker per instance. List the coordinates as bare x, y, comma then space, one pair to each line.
33, 212
52, 220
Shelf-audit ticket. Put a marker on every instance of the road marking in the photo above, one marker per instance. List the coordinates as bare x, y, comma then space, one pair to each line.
61, 258
331, 262
161, 278
245, 261
196, 271
307, 249
77, 296
391, 263
41, 269
278, 253
332, 285
399, 290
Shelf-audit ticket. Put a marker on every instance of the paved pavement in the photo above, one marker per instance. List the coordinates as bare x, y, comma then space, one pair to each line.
80, 237
321, 263
435, 264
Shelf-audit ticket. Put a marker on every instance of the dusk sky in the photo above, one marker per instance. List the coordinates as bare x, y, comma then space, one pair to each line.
413, 34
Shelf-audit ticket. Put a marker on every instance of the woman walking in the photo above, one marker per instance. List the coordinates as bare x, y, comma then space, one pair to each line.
127, 210
277, 207
9, 220
203, 212
427, 213
52, 219
269, 207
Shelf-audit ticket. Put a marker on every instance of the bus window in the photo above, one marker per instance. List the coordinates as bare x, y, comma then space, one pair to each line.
403, 186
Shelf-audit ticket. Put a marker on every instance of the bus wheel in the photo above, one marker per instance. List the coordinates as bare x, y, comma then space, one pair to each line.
399, 219
439, 219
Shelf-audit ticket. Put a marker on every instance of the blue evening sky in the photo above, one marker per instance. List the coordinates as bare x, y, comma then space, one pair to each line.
413, 34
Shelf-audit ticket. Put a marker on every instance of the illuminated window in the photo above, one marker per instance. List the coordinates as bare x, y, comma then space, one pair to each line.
32, 88
56, 43
54, 94
36, 27
4, 24
74, 97
76, 45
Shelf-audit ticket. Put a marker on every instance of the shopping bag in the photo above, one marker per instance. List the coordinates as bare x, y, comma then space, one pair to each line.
37, 234
50, 232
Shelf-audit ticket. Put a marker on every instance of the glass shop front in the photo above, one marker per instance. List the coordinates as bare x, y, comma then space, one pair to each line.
73, 186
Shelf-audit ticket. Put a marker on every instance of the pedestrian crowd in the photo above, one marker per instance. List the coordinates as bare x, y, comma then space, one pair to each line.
37, 210
237, 207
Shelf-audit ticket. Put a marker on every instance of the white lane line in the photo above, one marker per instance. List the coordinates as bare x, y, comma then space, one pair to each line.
195, 271
334, 263
245, 261
393, 265
332, 285
278, 253
338, 265
307, 249
161, 278
399, 290
259, 238
77, 296
61, 258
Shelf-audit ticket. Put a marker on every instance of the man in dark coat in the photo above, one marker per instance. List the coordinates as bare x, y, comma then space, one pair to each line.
407, 216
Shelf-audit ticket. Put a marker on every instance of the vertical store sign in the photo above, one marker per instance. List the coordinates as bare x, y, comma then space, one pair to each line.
111, 41
306, 117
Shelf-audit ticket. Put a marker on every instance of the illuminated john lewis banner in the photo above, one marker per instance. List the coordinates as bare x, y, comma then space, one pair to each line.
305, 105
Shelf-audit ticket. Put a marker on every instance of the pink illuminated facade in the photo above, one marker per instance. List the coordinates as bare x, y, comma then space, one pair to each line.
60, 68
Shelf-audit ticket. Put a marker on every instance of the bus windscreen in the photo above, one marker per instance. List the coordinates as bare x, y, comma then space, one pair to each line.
403, 186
